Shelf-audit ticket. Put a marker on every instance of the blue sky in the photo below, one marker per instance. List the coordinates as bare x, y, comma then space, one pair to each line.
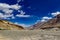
28, 12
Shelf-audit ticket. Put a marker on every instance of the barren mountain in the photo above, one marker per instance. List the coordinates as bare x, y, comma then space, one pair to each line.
52, 23
5, 25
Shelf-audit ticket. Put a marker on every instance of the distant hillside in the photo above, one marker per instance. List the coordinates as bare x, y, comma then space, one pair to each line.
5, 25
52, 23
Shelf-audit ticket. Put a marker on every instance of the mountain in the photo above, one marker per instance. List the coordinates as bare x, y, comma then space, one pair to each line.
52, 23
5, 25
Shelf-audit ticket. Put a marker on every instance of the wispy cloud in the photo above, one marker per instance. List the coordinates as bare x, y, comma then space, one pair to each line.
55, 13
45, 18
22, 14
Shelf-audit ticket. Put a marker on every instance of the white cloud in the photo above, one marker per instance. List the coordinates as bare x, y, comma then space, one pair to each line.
8, 10
3, 16
4, 6
54, 14
18, 15
47, 17
44, 19
16, 6
7, 6
24, 25
22, 14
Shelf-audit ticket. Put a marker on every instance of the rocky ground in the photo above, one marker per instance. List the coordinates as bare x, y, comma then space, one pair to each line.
29, 35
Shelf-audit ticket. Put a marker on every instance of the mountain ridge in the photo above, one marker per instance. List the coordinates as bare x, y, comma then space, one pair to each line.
6, 25
52, 23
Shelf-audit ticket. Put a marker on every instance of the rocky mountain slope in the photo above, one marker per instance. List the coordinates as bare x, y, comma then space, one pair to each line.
5, 25
52, 23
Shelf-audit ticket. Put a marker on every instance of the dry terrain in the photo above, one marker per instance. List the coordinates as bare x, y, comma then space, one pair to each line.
29, 35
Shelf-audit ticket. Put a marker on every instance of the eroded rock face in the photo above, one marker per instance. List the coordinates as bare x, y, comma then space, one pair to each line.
52, 23
5, 25
58, 18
